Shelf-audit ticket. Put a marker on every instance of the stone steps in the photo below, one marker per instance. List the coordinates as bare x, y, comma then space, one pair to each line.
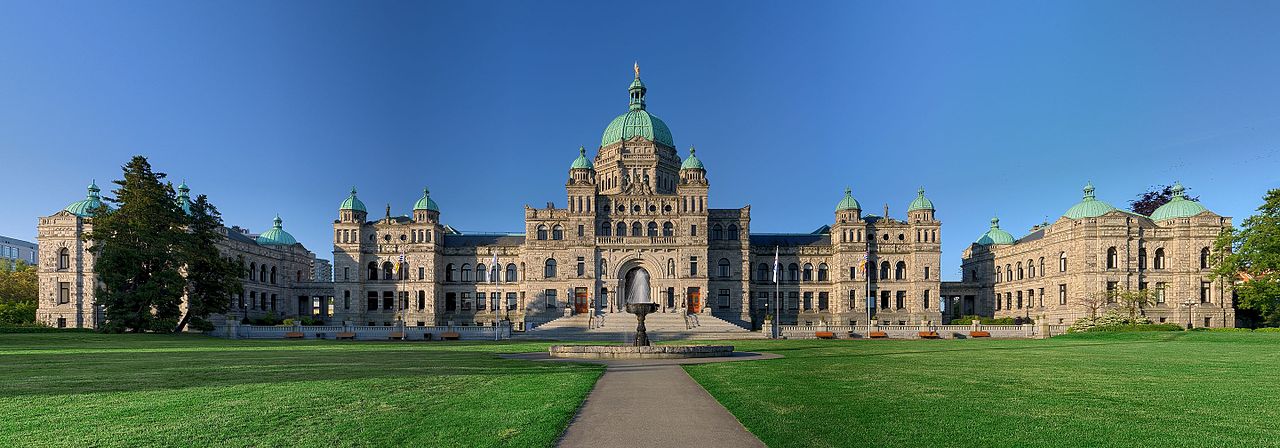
618, 327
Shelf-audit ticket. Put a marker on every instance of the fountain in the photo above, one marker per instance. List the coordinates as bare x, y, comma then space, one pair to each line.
639, 303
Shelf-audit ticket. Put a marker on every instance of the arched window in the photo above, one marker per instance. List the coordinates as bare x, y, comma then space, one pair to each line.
557, 232
387, 270
481, 273
723, 268
717, 232
495, 273
262, 273
511, 272
733, 232
822, 272
542, 232
549, 269
466, 272
1062, 262
1158, 263
449, 272
668, 229
1204, 258
1008, 269
884, 270
653, 228
1019, 270
622, 228
762, 273
793, 272
1031, 269
1042, 271
999, 276
636, 230
807, 274
900, 271
606, 229
671, 268
373, 270
273, 275
64, 259
1112, 258
1142, 258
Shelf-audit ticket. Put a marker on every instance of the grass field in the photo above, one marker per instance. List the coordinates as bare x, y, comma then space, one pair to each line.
88, 389
1127, 389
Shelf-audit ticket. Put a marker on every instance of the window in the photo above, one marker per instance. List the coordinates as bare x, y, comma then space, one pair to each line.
693, 230
606, 229
668, 229
373, 301
926, 272
717, 232
582, 266
652, 229
64, 259
1111, 289
807, 273
693, 266
557, 232
1042, 271
900, 271
1112, 258
1062, 262
824, 301
346, 273
550, 297
253, 271
1158, 262
549, 268
64, 292
793, 272
388, 300
481, 273
466, 272
511, 301
733, 232
1160, 292
822, 272
926, 299
622, 229
884, 270
724, 268
1204, 258
808, 300
1018, 303
62, 322
636, 230
722, 300
1031, 269
793, 300
466, 301
1205, 292
422, 273
884, 300
900, 300
511, 272
448, 272
1062, 294
762, 272
581, 231
346, 300
1142, 258
388, 271
999, 275
450, 302
542, 232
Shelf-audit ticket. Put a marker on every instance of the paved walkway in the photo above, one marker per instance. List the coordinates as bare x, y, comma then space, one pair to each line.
654, 403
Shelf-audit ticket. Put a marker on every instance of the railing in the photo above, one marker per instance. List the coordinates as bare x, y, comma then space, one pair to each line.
362, 332
602, 240
913, 331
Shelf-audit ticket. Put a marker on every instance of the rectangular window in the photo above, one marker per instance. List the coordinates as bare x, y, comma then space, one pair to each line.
387, 300
926, 274
582, 267
346, 300
346, 273
422, 300
1111, 289
480, 302
422, 273
693, 266
581, 231
693, 230
823, 301
511, 301
466, 301
901, 300
1062, 294
450, 302
884, 299
1205, 293
550, 297
793, 300
62, 322
1159, 292
373, 301
64, 292
1041, 297
808, 300
926, 295
723, 300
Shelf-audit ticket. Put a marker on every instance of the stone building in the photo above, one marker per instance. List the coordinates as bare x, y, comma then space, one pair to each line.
1064, 270
635, 205
278, 279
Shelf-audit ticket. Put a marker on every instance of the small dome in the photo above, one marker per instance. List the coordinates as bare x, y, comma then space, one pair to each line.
848, 202
84, 207
1090, 207
637, 121
352, 202
276, 236
184, 198
921, 202
582, 162
995, 235
1178, 206
425, 202
692, 162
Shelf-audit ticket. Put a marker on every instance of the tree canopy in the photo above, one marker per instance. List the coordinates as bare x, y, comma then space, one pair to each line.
19, 293
1251, 256
1148, 202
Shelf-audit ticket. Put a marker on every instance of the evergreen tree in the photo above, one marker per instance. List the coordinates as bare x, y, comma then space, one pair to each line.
140, 283
211, 279
1148, 202
1252, 254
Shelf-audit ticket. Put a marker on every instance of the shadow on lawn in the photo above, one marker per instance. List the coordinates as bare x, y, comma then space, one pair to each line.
121, 371
801, 351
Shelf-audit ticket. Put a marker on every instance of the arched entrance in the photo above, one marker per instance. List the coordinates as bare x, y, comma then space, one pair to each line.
637, 287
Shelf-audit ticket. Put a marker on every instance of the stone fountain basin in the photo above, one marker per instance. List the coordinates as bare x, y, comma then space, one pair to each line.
632, 352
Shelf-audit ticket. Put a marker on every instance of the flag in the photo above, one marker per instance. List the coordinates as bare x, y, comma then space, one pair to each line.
776, 267
399, 262
865, 258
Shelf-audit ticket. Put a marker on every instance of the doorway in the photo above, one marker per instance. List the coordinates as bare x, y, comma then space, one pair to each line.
693, 297
580, 303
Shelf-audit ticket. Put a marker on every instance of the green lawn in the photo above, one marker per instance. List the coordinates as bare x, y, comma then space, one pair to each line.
88, 389
1133, 389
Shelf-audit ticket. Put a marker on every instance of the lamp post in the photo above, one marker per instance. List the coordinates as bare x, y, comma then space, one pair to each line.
1189, 304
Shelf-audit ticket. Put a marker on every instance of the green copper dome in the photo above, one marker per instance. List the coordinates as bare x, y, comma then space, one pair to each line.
1178, 207
582, 162
921, 202
692, 162
425, 202
995, 235
848, 202
352, 202
637, 121
276, 236
1090, 207
84, 207
184, 198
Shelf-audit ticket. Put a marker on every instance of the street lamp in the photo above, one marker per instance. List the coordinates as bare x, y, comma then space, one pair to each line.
1189, 303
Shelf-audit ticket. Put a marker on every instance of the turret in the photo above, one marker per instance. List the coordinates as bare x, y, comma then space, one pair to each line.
352, 209
691, 170
921, 209
426, 210
848, 210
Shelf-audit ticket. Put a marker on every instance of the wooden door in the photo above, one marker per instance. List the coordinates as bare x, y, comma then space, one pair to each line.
694, 296
580, 304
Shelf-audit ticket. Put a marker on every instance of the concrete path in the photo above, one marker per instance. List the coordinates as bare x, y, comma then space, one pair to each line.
654, 403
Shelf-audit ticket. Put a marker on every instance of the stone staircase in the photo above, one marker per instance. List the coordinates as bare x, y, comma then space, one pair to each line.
620, 327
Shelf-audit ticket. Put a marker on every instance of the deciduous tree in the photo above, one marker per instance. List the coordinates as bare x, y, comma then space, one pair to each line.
1251, 256
1148, 202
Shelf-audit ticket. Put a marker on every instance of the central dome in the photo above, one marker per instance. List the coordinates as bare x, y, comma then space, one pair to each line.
637, 121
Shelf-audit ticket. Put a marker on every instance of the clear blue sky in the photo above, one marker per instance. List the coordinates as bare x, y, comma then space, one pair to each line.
1001, 108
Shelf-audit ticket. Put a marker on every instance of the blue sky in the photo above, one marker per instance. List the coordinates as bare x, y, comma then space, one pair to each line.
997, 108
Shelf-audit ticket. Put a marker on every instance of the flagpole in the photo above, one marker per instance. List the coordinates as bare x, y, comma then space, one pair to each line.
777, 295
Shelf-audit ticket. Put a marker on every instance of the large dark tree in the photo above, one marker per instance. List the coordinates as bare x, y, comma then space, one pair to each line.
1251, 255
211, 279
136, 246
1148, 202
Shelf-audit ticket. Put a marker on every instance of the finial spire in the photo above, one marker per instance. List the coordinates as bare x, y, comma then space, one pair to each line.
636, 67
582, 151
1088, 191
277, 221
920, 191
995, 222
353, 190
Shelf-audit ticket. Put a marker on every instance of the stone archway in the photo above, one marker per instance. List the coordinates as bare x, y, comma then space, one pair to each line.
625, 273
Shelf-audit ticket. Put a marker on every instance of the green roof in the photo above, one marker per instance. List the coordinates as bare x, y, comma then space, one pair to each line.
1178, 207
692, 162
84, 207
582, 162
184, 198
1090, 207
848, 202
637, 121
995, 235
352, 202
425, 202
276, 236
921, 202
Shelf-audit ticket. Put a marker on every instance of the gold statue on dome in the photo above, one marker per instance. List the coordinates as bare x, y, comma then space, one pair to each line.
637, 69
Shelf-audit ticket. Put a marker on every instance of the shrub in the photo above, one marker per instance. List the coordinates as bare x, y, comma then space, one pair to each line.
1222, 330
1111, 319
1137, 327
965, 320
1268, 330
17, 313
268, 320
40, 328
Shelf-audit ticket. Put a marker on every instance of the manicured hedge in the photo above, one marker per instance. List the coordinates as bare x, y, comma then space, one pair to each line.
40, 329
1136, 327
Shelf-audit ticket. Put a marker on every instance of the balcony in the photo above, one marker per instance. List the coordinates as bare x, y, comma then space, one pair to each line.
635, 240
